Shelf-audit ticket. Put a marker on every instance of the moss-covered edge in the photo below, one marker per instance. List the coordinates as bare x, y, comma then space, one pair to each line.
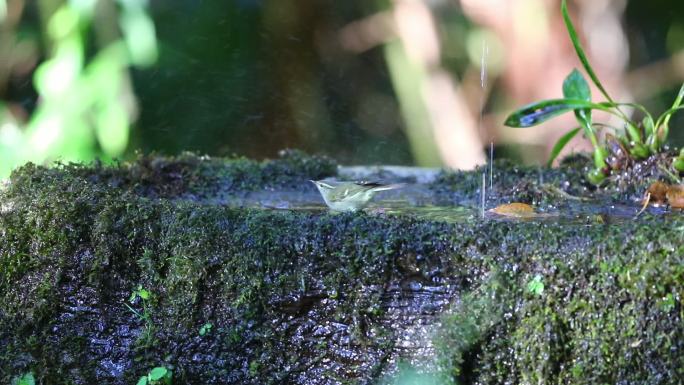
609, 312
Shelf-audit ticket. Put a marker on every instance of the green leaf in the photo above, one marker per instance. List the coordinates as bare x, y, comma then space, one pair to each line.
639, 151
668, 303
652, 141
649, 126
576, 87
678, 163
142, 381
560, 144
206, 328
600, 155
678, 100
596, 176
633, 132
158, 373
665, 125
26, 379
580, 51
665, 116
536, 285
539, 112
144, 294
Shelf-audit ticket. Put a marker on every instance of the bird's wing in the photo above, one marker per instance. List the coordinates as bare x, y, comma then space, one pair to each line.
348, 192
368, 184
383, 187
376, 186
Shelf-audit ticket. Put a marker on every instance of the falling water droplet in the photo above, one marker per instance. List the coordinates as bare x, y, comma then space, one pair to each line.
483, 84
484, 192
491, 165
483, 65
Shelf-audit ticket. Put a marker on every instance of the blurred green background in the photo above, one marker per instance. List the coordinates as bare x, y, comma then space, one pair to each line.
365, 81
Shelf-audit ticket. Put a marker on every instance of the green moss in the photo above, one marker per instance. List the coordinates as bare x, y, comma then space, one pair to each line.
598, 319
187, 175
297, 297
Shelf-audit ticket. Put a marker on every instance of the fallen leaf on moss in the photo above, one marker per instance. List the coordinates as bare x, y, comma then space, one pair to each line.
516, 210
675, 196
658, 193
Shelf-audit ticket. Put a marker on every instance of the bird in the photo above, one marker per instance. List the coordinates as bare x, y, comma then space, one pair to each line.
350, 196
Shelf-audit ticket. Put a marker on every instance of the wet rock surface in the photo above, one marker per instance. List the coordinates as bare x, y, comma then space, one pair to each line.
298, 295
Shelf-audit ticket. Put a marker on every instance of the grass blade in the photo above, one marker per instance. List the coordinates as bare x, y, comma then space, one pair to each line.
678, 99
580, 51
668, 114
560, 144
539, 112
664, 119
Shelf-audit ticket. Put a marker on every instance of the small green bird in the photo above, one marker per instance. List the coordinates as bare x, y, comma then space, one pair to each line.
350, 196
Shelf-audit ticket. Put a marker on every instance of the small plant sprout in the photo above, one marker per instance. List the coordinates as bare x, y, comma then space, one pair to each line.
668, 302
638, 139
158, 375
140, 292
205, 329
536, 285
145, 296
25, 379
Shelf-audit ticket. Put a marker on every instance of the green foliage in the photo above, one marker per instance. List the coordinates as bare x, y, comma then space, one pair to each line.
158, 375
641, 139
205, 329
668, 302
580, 51
536, 285
539, 112
560, 144
575, 87
146, 339
26, 379
85, 105
678, 162
139, 293
254, 368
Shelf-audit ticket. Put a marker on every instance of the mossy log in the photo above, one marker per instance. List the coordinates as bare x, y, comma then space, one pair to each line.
307, 297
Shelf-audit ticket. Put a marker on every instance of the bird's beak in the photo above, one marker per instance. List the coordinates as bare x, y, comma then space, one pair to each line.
313, 181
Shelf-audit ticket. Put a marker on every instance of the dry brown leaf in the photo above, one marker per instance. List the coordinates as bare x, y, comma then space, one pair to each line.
516, 209
658, 193
675, 196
